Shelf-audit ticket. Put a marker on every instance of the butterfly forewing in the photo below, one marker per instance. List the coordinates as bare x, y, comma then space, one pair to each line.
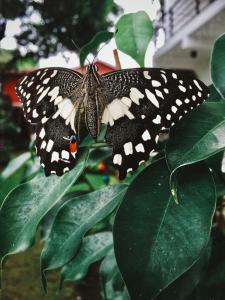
45, 91
143, 102
47, 98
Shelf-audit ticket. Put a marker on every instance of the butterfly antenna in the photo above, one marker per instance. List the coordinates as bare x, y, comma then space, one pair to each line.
76, 46
79, 50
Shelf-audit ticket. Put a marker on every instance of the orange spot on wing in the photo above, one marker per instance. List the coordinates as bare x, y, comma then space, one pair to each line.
73, 147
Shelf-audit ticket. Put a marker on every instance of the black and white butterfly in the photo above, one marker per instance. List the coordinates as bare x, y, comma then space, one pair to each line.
135, 104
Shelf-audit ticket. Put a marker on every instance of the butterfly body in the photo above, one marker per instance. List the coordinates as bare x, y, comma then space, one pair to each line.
135, 104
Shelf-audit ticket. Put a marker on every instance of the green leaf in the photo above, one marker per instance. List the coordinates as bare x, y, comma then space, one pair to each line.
181, 288
199, 135
73, 220
108, 267
14, 165
12, 175
112, 282
95, 181
26, 205
218, 65
100, 37
214, 95
133, 34
94, 247
157, 240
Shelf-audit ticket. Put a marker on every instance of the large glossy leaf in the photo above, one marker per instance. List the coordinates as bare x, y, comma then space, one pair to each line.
157, 240
100, 37
73, 220
26, 205
94, 247
218, 65
181, 288
199, 135
133, 34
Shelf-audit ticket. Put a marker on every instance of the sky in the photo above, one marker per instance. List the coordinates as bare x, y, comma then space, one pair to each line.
106, 54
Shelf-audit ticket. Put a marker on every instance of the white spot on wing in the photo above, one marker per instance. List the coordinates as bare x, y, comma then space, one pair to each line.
146, 136
182, 88
159, 94
42, 133
65, 154
50, 145
46, 80
43, 145
54, 93
152, 98
35, 114
23, 79
140, 148
126, 101
174, 75
55, 156
156, 83
166, 91
174, 109
117, 159
164, 77
146, 75
54, 73
128, 148
157, 120
178, 102
136, 95
115, 110
168, 116
66, 170
197, 84
44, 93
30, 83
65, 108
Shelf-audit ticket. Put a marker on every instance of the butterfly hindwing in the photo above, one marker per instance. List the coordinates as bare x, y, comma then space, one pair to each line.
132, 141
53, 146
45, 91
146, 99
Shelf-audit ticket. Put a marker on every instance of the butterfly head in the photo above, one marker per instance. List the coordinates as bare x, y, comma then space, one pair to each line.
91, 77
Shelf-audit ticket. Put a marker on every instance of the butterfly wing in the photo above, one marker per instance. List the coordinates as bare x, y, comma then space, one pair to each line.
53, 146
141, 102
46, 91
47, 98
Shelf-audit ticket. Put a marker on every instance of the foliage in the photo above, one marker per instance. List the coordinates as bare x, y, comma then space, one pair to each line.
162, 249
49, 26
136, 29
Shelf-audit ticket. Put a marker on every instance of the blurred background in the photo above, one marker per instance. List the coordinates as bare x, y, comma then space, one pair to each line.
39, 33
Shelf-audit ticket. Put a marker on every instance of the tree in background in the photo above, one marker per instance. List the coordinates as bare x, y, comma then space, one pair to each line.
48, 27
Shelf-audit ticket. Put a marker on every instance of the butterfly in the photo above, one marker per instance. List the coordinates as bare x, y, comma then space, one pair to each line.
135, 104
